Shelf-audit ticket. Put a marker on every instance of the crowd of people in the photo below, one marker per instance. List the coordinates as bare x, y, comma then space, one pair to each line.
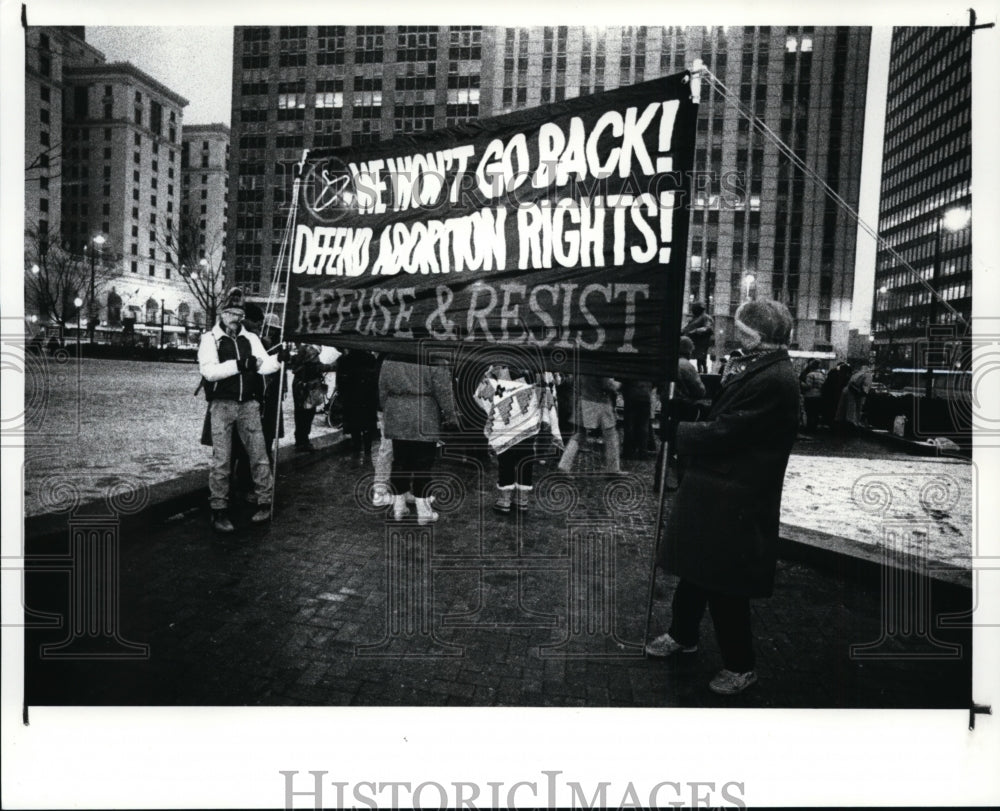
731, 447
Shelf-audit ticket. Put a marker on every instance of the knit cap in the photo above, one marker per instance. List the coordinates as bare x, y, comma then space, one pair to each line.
769, 319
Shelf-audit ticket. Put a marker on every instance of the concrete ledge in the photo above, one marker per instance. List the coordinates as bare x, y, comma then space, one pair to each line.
914, 447
857, 561
167, 498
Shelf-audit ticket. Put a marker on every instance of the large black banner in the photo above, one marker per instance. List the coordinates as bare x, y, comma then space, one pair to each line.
561, 230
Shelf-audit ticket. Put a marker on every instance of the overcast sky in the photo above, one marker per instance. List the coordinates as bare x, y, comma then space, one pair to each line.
195, 62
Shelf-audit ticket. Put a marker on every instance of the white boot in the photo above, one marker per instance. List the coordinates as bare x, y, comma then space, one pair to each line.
399, 508
425, 515
381, 497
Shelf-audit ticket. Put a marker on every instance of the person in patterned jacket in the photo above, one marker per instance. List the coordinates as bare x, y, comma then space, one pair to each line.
519, 406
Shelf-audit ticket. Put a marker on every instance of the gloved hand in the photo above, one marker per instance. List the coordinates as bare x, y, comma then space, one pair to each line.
284, 353
247, 364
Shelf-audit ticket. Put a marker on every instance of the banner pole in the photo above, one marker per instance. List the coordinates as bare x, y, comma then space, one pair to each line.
663, 463
284, 313
662, 466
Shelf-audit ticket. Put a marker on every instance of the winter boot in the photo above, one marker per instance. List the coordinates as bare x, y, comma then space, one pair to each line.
425, 515
522, 497
221, 522
504, 498
399, 508
381, 497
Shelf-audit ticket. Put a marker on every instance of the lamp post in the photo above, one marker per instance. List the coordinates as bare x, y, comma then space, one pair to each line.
92, 314
163, 305
78, 303
954, 219
748, 280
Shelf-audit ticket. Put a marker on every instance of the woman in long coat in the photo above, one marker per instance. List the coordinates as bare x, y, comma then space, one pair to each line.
416, 401
722, 533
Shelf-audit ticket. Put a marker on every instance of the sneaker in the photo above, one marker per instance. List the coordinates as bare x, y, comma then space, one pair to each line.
727, 683
263, 514
221, 522
666, 645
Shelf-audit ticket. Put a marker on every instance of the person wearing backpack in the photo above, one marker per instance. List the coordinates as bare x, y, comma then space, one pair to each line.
231, 360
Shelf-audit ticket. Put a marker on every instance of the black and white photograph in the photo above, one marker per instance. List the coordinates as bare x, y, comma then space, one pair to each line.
564, 407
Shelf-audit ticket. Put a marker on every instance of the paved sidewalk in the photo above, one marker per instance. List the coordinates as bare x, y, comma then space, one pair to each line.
333, 605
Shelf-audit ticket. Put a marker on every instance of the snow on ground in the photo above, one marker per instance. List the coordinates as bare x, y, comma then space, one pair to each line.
108, 423
861, 498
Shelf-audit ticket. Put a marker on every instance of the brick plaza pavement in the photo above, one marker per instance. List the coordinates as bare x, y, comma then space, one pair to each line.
333, 605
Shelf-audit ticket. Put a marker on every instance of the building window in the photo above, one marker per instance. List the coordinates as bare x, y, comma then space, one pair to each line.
44, 94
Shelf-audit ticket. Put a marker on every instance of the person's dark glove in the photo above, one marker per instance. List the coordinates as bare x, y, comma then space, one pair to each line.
284, 354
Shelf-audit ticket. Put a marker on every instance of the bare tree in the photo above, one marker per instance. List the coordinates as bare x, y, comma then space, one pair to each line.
55, 277
196, 256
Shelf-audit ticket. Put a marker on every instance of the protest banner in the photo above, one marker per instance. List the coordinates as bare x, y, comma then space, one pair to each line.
561, 228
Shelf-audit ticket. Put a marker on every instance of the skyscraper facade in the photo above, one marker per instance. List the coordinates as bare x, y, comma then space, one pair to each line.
205, 192
48, 51
760, 226
103, 182
926, 195
122, 136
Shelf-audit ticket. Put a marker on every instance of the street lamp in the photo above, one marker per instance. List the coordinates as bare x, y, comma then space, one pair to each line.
78, 303
748, 280
954, 219
91, 315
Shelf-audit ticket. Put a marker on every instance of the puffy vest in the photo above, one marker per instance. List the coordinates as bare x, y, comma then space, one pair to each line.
240, 387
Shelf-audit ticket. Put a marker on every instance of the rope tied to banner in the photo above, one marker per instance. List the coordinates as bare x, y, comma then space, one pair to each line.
716, 84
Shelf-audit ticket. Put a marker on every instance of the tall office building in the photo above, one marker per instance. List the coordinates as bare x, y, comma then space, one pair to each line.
48, 51
122, 143
926, 194
759, 226
204, 198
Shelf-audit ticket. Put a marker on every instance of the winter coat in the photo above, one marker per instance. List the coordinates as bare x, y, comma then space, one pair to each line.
722, 533
517, 409
701, 330
218, 357
415, 400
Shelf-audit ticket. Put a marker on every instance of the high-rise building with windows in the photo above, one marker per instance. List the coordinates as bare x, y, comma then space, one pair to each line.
48, 51
205, 188
926, 194
122, 180
760, 227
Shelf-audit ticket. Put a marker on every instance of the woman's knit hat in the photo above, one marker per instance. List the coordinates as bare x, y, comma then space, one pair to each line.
769, 319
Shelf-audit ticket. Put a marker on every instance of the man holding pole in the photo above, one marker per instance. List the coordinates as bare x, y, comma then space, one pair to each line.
231, 360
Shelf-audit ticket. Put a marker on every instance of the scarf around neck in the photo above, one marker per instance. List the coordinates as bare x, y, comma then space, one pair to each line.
737, 366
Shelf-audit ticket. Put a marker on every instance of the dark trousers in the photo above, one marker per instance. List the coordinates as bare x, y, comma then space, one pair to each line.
813, 406
303, 424
730, 616
515, 464
636, 427
362, 440
412, 460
